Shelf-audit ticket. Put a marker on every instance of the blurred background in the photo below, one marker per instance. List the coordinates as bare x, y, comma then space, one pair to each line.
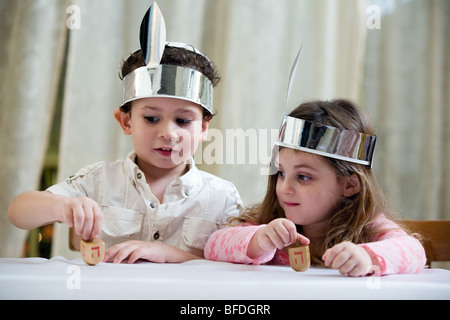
59, 85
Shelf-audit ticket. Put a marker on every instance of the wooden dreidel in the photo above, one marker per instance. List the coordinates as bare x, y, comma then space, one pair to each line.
299, 258
92, 251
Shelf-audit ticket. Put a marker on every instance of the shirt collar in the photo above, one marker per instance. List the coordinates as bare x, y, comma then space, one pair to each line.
188, 184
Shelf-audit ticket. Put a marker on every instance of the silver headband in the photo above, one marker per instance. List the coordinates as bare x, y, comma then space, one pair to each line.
169, 82
327, 141
157, 80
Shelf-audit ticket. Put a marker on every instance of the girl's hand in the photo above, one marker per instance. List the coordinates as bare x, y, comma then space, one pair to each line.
278, 234
150, 251
349, 258
83, 214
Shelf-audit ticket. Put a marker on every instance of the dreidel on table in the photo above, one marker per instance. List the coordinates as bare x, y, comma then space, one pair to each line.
92, 251
299, 258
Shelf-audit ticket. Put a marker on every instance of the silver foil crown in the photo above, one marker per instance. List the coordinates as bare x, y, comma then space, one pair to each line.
327, 141
158, 80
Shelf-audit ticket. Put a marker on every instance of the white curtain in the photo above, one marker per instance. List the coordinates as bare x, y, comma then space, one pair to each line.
406, 90
399, 73
32, 37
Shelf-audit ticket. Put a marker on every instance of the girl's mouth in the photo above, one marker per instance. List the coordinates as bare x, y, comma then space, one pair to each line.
291, 204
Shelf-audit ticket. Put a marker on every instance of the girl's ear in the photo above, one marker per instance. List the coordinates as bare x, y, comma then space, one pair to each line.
351, 185
124, 120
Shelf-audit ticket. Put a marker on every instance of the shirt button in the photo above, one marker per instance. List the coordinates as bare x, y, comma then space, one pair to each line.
139, 175
156, 235
186, 192
152, 205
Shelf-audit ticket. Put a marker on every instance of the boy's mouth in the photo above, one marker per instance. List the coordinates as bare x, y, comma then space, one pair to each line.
165, 152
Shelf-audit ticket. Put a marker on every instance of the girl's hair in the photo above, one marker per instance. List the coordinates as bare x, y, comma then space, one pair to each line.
353, 218
177, 57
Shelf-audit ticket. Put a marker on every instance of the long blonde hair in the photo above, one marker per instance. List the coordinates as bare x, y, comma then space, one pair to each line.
354, 217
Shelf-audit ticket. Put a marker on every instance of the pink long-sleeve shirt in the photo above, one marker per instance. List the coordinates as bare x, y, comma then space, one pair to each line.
393, 252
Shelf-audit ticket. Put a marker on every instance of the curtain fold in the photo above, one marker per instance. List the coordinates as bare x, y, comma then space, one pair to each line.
32, 36
405, 88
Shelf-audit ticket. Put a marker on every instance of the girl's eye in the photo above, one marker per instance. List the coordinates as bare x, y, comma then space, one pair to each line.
183, 122
304, 178
151, 119
281, 174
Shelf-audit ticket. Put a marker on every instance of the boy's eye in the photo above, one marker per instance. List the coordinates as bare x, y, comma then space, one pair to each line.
151, 119
183, 121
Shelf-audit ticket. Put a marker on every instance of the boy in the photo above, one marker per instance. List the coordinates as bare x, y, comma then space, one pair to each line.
155, 205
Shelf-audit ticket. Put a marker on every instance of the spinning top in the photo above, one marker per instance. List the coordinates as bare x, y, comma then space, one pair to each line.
92, 251
298, 256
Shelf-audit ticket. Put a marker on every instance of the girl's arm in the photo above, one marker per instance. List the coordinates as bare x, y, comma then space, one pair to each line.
395, 251
33, 209
230, 245
399, 254
252, 244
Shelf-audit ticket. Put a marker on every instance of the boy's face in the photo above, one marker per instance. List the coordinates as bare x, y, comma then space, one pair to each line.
165, 131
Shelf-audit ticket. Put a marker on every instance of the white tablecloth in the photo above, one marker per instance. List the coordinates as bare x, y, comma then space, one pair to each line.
59, 278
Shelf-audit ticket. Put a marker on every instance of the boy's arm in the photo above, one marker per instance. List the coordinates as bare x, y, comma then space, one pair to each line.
33, 209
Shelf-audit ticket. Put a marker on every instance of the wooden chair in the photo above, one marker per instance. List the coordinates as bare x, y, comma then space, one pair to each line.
436, 238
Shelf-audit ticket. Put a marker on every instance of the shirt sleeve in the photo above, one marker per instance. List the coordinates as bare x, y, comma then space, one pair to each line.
82, 184
395, 251
230, 245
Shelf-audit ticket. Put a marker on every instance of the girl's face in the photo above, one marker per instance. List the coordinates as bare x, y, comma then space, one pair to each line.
308, 189
165, 131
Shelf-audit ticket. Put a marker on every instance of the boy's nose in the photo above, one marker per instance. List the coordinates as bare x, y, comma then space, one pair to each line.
168, 132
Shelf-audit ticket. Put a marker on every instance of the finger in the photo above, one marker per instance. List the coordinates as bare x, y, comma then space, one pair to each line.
124, 253
283, 235
275, 239
330, 254
340, 259
304, 241
357, 271
348, 266
88, 222
290, 232
112, 251
98, 222
78, 218
138, 254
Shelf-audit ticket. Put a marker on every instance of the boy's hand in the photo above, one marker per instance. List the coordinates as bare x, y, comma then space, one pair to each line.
83, 214
349, 258
150, 251
278, 234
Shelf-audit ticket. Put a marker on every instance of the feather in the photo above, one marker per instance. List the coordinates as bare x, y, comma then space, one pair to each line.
153, 35
292, 77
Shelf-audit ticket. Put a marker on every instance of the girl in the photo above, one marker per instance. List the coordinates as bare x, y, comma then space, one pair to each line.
333, 205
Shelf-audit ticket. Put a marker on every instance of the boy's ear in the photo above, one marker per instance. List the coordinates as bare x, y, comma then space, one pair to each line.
124, 120
352, 186
205, 127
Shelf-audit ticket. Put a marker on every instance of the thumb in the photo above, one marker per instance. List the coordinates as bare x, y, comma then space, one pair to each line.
304, 241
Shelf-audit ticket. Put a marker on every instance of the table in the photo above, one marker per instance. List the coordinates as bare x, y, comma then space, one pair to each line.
59, 278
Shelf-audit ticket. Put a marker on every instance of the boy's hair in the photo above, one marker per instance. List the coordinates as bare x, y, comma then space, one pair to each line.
352, 219
177, 57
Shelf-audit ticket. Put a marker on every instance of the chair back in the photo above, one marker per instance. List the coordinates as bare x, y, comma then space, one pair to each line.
435, 238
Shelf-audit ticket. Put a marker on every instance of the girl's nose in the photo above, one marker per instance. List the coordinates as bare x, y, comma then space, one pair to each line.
287, 186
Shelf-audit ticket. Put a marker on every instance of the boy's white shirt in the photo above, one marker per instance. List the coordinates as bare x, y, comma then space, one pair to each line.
194, 205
